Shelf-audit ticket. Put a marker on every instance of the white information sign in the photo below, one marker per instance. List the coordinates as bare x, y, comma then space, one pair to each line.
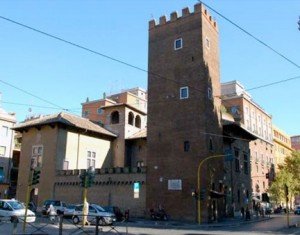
175, 184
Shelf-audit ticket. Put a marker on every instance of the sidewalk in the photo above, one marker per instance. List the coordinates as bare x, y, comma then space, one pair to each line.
227, 222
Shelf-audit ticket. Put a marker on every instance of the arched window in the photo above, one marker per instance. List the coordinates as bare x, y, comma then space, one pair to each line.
138, 121
130, 118
114, 118
211, 147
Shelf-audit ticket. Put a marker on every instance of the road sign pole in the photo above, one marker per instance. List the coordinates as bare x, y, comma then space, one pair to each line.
29, 187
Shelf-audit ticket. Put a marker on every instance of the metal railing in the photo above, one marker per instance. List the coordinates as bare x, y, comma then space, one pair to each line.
58, 224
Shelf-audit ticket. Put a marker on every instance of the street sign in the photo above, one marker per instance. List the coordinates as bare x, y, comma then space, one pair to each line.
136, 190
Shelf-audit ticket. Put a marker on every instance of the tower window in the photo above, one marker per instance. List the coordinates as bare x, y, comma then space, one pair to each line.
178, 44
186, 146
184, 92
138, 121
207, 42
114, 118
130, 118
209, 93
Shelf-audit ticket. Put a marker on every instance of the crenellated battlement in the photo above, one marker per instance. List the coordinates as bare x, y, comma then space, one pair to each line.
185, 12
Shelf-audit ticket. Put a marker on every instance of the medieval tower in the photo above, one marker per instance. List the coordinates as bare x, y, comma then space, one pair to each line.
184, 125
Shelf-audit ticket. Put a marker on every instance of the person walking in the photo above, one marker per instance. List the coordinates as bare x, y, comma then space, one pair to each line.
52, 213
243, 212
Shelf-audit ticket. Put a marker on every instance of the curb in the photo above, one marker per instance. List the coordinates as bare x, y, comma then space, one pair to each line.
178, 225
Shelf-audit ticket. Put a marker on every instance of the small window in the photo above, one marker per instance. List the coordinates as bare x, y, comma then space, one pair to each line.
2, 150
114, 118
66, 165
207, 42
4, 131
178, 44
138, 121
184, 93
186, 146
211, 147
130, 118
209, 93
100, 111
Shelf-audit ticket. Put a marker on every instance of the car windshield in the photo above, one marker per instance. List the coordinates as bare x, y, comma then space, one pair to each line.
298, 207
99, 208
16, 205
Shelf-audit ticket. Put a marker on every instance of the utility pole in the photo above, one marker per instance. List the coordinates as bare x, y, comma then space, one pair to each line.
286, 191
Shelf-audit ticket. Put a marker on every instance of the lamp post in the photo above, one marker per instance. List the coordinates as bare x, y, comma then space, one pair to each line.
199, 181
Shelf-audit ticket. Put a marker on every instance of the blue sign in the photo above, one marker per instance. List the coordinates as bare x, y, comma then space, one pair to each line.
136, 186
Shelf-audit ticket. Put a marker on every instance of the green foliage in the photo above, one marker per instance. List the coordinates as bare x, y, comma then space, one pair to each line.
289, 174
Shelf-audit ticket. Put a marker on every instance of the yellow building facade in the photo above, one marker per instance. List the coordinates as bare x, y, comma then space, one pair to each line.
282, 146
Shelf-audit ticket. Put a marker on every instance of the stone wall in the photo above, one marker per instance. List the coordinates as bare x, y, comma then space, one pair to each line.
113, 186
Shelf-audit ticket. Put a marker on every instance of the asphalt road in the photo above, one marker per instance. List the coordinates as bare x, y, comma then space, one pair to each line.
277, 224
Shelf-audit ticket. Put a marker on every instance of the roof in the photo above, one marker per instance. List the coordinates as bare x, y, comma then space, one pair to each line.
138, 135
126, 105
66, 119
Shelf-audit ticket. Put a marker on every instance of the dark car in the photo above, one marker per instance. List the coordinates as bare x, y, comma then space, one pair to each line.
116, 210
58, 205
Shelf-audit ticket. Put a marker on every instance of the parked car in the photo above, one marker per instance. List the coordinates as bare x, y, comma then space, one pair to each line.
58, 205
297, 210
69, 211
106, 218
12, 209
115, 210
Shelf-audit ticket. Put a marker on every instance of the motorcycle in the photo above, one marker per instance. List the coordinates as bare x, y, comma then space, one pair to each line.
159, 215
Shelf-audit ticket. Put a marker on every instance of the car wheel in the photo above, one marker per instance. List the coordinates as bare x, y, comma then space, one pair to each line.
75, 220
102, 221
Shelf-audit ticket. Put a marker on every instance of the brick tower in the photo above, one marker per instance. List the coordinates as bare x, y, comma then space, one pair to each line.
183, 108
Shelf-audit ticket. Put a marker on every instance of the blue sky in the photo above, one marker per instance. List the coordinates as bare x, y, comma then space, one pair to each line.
66, 75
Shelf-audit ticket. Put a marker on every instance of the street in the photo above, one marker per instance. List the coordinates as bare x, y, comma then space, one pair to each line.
276, 224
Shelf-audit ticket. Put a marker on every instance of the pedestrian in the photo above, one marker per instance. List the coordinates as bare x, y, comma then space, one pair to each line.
247, 213
243, 212
52, 213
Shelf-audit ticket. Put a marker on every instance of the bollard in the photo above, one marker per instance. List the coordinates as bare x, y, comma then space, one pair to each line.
97, 225
60, 224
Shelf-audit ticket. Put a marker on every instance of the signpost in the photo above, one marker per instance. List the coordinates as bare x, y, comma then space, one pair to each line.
136, 190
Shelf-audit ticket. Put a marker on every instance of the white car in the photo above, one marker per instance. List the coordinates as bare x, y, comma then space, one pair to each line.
105, 218
11, 209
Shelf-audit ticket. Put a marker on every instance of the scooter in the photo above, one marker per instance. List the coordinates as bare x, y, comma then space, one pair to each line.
159, 215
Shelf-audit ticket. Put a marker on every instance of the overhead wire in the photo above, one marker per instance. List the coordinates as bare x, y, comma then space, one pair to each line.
141, 69
145, 70
251, 35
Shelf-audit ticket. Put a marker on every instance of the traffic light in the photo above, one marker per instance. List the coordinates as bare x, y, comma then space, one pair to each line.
86, 179
90, 180
202, 194
268, 175
35, 177
82, 180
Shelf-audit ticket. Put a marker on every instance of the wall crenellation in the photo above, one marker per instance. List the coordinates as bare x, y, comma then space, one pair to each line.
198, 8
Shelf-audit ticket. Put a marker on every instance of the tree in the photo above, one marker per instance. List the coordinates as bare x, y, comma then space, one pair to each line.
289, 174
